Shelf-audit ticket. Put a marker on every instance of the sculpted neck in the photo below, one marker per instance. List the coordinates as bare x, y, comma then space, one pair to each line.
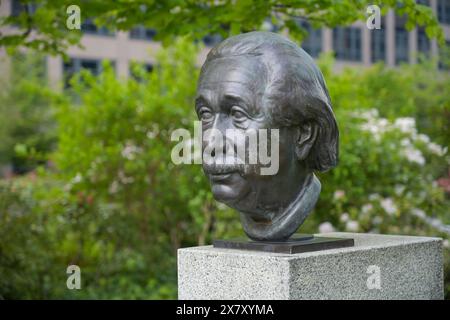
283, 225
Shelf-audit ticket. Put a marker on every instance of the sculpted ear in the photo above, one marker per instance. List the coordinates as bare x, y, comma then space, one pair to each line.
305, 139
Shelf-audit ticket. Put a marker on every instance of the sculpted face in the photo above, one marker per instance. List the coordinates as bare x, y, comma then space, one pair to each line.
231, 95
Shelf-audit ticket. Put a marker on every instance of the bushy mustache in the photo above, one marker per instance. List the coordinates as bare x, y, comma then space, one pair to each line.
242, 169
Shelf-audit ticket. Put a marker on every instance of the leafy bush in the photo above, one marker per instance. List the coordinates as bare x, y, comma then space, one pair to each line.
417, 91
120, 133
385, 180
45, 229
26, 123
117, 206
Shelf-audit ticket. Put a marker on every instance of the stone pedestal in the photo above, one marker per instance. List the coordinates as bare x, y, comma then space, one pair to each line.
377, 267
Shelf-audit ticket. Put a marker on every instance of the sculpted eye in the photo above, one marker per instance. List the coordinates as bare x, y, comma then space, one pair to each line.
238, 114
205, 114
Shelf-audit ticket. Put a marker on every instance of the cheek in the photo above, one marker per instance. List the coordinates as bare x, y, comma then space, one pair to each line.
286, 143
250, 141
286, 146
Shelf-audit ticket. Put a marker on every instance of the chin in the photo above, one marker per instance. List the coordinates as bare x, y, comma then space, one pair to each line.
225, 193
230, 190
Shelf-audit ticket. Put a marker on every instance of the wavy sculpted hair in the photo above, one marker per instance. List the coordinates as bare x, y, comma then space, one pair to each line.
295, 90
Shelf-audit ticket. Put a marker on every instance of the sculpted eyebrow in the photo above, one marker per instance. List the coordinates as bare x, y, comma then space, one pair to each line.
230, 99
200, 101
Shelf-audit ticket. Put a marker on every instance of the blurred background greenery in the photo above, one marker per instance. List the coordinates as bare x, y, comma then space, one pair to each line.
94, 185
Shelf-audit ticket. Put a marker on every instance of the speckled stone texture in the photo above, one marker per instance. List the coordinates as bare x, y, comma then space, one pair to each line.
410, 268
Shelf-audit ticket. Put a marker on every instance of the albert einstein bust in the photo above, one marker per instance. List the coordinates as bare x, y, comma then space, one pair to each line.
261, 80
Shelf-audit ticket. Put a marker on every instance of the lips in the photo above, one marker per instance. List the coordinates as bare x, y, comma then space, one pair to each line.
216, 177
221, 172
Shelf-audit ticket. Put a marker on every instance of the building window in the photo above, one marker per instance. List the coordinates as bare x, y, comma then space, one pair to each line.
313, 43
443, 11
378, 43
88, 26
347, 43
401, 40
18, 7
136, 70
401, 45
423, 43
444, 56
75, 65
142, 33
148, 67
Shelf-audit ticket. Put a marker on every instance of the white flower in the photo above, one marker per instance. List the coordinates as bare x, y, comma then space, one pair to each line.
422, 195
266, 26
124, 179
374, 196
389, 206
370, 127
352, 225
114, 187
418, 213
326, 227
77, 178
414, 155
175, 10
446, 243
435, 222
344, 217
130, 150
423, 137
377, 220
339, 194
375, 127
366, 208
369, 114
399, 189
151, 134
383, 122
436, 149
406, 125
377, 137
405, 142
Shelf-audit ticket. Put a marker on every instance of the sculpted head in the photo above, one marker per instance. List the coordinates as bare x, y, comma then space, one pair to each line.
261, 80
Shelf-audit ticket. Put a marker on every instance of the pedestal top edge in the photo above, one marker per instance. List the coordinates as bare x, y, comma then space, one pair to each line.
363, 242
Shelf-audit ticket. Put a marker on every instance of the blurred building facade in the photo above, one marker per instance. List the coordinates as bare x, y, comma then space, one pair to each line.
353, 45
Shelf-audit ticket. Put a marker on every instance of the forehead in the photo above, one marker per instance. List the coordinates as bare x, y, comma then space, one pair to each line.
237, 75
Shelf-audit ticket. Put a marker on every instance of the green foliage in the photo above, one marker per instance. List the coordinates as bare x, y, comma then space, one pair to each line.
26, 122
385, 181
394, 140
417, 91
117, 206
386, 177
198, 18
46, 228
120, 133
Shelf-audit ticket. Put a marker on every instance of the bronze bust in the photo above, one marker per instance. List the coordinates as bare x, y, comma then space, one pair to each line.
261, 80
